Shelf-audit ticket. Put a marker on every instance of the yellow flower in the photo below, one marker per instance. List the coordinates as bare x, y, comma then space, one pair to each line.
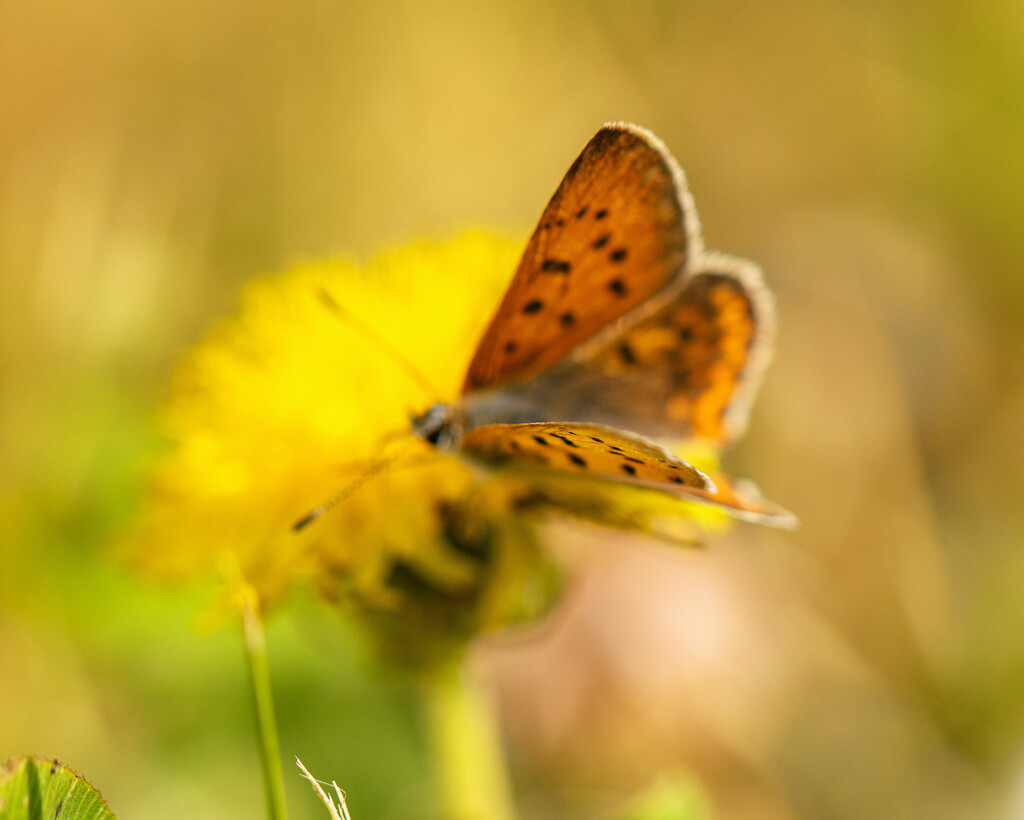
288, 402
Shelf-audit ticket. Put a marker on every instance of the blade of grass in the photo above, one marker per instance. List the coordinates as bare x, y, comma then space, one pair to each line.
255, 644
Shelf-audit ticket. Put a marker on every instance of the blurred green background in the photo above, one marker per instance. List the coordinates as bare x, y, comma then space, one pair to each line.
868, 155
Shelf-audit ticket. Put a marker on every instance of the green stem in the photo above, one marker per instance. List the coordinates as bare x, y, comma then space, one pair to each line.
259, 676
468, 758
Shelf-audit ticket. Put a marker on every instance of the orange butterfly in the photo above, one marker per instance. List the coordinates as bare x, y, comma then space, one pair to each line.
617, 326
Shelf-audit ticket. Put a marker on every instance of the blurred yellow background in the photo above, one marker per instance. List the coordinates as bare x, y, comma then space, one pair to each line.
868, 155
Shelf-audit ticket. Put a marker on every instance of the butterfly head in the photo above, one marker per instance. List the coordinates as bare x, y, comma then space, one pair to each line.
440, 425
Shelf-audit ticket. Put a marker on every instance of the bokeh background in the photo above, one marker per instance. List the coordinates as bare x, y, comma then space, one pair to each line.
870, 664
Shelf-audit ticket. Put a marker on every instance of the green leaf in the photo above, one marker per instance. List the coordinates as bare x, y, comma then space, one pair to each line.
33, 789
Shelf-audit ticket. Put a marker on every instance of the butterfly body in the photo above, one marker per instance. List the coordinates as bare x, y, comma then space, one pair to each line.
617, 328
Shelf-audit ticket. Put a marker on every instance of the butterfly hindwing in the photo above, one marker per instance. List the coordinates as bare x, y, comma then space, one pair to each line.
618, 230
688, 367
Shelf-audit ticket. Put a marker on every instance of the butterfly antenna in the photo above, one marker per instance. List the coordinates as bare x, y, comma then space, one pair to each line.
374, 469
382, 344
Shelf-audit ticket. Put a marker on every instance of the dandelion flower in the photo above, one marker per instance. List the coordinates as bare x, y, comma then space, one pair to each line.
285, 403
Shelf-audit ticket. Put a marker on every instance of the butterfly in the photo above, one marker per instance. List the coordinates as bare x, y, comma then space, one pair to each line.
617, 330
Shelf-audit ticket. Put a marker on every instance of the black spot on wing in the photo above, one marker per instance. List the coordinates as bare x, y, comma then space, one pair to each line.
627, 354
543, 442
510, 347
566, 439
534, 306
579, 461
601, 214
619, 254
555, 266
618, 287
567, 318
601, 241
629, 468
582, 212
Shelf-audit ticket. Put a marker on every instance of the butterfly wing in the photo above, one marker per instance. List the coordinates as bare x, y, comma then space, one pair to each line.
595, 452
687, 367
742, 499
583, 449
618, 230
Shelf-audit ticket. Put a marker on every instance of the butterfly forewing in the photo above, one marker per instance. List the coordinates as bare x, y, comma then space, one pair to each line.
583, 449
597, 452
741, 499
618, 230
